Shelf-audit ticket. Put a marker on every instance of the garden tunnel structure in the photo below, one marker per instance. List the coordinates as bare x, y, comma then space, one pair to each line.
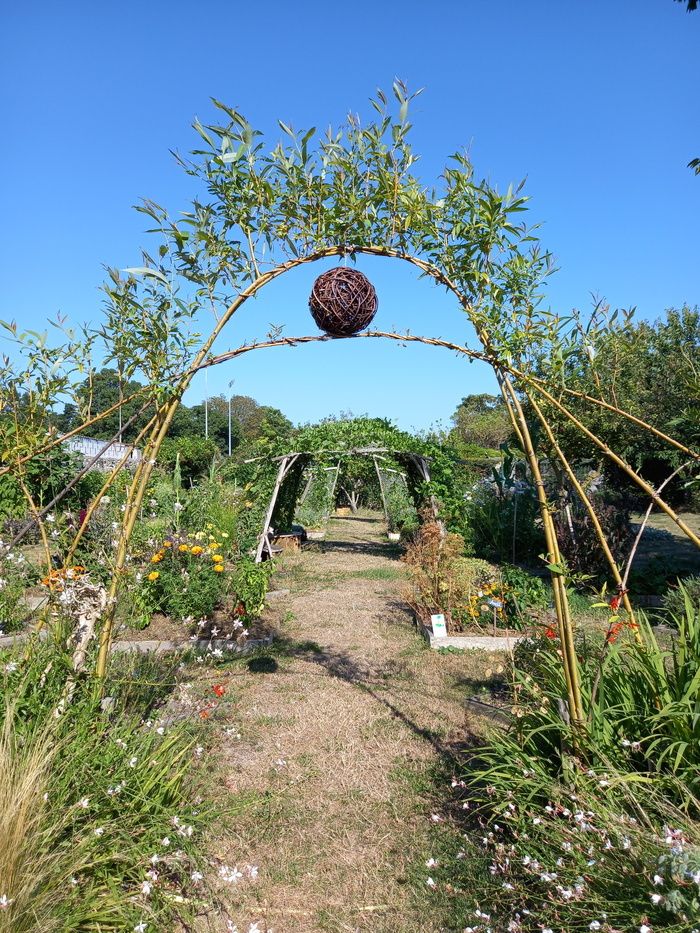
290, 471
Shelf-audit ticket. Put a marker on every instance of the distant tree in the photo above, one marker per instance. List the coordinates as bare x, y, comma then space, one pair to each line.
256, 421
480, 421
648, 368
98, 394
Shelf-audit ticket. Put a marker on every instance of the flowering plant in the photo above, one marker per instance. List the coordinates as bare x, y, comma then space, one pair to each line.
183, 578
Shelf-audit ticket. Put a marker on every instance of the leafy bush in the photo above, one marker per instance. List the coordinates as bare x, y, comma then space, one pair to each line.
442, 579
504, 514
250, 582
523, 591
674, 602
194, 453
399, 505
577, 536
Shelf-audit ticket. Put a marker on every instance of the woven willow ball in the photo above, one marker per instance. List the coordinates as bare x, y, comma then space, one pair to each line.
343, 301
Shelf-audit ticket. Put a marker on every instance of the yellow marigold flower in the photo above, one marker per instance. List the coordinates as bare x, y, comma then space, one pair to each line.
167, 543
218, 568
183, 547
157, 558
153, 575
197, 549
217, 558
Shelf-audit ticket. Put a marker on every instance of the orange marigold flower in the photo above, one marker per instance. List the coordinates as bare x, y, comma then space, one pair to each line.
167, 543
157, 558
218, 568
153, 575
217, 558
183, 547
204, 714
197, 549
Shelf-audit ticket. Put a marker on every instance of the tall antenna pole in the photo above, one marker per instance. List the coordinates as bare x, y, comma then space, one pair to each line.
206, 405
229, 425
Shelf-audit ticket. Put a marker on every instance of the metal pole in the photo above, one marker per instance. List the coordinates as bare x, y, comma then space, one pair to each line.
206, 405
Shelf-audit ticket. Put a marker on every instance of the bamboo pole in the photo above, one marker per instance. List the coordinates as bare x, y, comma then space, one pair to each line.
561, 600
595, 521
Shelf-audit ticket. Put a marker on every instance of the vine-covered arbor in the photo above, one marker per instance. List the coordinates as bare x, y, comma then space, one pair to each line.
264, 211
292, 467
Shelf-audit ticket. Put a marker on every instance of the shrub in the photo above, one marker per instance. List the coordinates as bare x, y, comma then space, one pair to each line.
674, 602
441, 578
504, 514
577, 536
400, 509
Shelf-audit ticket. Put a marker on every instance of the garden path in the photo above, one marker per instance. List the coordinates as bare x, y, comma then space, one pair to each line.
335, 734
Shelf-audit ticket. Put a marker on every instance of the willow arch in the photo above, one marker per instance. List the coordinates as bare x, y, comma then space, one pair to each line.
352, 194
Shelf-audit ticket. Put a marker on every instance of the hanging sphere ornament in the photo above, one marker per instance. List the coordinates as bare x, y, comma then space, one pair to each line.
343, 301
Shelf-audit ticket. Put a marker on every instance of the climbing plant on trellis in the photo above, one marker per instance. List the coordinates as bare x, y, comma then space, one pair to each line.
265, 211
316, 503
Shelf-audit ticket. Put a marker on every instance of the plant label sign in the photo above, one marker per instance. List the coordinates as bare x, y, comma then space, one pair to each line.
437, 622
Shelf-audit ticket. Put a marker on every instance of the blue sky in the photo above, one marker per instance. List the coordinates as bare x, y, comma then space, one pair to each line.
596, 102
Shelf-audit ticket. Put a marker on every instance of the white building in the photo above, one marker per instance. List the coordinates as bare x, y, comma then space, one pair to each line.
108, 453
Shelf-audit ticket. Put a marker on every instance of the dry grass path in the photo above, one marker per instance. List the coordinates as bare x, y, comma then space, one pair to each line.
335, 735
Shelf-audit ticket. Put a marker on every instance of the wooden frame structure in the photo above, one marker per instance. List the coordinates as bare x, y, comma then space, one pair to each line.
287, 461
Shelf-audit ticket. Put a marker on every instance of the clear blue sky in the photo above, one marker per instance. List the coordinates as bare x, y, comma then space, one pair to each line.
596, 102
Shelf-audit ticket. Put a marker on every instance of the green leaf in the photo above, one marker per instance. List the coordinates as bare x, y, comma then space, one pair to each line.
145, 270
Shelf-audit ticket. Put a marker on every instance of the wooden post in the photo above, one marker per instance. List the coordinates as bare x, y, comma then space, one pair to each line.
285, 466
381, 489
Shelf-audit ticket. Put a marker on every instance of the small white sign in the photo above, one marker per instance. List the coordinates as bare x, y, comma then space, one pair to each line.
438, 625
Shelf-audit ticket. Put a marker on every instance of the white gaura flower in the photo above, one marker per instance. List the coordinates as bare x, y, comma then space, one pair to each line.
431, 863
84, 803
99, 831
232, 875
146, 887
141, 927
5, 901
196, 876
655, 899
133, 762
165, 841
645, 929
431, 883
252, 871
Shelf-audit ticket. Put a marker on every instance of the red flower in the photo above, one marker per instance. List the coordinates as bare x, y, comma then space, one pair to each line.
613, 632
615, 603
240, 609
549, 632
219, 689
